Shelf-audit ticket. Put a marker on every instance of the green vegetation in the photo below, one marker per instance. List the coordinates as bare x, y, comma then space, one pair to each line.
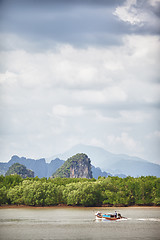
79, 163
19, 169
110, 191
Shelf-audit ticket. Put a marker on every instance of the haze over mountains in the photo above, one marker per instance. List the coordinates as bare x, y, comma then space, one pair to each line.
114, 163
39, 166
103, 163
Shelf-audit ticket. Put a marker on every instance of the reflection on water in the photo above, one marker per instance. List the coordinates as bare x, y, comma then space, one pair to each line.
78, 223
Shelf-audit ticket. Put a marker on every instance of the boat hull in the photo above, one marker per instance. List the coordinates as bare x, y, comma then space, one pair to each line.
107, 218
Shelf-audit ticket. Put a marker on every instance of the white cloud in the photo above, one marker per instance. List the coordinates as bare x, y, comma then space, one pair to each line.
137, 13
55, 99
154, 135
108, 95
129, 13
68, 67
96, 142
8, 78
66, 111
125, 143
134, 116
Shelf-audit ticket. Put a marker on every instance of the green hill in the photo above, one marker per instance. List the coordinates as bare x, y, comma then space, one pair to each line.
78, 166
19, 169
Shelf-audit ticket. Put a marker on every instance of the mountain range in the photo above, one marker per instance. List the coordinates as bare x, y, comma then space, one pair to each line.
43, 169
114, 163
39, 166
103, 163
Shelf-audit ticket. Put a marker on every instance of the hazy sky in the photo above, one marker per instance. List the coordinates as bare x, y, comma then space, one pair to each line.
80, 71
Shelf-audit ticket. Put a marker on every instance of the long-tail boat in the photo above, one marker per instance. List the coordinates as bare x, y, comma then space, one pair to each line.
108, 216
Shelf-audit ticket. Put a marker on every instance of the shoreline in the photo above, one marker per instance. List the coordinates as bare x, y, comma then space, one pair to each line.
65, 206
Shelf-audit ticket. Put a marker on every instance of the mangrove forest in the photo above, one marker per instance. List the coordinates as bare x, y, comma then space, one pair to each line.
110, 191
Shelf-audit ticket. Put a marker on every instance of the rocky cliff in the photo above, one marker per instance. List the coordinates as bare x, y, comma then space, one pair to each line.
78, 166
43, 169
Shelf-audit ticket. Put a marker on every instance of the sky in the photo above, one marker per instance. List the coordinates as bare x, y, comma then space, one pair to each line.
79, 72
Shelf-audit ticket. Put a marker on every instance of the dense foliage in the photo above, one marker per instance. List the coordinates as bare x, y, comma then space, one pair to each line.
110, 191
77, 161
20, 169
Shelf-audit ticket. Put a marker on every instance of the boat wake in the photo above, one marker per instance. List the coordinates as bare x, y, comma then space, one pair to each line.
144, 219
149, 219
130, 219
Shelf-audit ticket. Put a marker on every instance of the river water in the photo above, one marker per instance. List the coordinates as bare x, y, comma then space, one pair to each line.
78, 223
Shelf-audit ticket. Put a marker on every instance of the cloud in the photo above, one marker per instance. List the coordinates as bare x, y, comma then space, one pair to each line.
76, 73
117, 78
66, 111
125, 143
154, 135
44, 25
129, 13
134, 116
152, 142
78, 23
140, 13
105, 96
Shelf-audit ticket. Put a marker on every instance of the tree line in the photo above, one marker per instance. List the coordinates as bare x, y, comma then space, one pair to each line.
110, 191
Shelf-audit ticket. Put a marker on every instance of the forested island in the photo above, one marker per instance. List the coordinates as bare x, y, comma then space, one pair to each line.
110, 191
21, 170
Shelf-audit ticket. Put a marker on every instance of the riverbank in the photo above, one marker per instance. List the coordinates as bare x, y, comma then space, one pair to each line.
66, 206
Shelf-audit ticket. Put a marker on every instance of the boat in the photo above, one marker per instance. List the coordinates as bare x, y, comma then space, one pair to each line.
109, 216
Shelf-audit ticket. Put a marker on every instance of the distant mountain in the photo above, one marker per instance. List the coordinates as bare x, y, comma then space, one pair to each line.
53, 166
3, 168
114, 163
77, 166
41, 168
21, 170
137, 168
97, 172
103, 162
